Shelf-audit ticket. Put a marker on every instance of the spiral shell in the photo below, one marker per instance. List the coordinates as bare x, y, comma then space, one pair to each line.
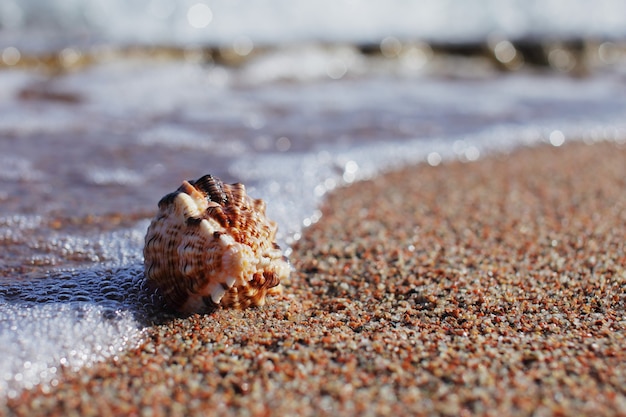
211, 245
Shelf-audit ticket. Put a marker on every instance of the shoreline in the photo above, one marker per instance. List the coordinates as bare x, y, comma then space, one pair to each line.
484, 288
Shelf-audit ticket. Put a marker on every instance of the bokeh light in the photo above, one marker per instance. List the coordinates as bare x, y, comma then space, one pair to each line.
11, 56
557, 138
433, 159
199, 15
504, 52
243, 46
562, 59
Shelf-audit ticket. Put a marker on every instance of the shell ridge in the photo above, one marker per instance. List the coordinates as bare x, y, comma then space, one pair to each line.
213, 188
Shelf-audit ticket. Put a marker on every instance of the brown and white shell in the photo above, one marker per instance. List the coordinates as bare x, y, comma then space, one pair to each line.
211, 245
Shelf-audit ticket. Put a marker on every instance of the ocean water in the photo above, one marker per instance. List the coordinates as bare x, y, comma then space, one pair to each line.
90, 142
271, 21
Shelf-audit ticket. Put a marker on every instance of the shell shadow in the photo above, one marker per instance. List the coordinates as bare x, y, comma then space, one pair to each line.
116, 290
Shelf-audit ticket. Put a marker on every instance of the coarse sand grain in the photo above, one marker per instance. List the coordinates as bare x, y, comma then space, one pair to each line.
491, 288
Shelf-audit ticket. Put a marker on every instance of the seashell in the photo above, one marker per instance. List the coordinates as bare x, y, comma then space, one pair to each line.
211, 245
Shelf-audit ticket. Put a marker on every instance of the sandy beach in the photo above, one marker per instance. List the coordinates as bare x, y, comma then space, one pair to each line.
491, 288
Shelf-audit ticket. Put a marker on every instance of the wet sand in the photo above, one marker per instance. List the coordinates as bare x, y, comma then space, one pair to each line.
490, 288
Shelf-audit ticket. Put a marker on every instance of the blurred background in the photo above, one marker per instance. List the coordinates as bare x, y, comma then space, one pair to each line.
553, 32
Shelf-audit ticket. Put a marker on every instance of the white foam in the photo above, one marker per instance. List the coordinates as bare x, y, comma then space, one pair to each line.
39, 339
18, 169
119, 176
20, 222
296, 196
66, 319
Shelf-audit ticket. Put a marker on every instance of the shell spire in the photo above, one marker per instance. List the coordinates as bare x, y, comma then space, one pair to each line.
211, 245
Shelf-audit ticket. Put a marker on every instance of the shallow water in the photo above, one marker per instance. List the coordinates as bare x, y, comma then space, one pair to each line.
86, 154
